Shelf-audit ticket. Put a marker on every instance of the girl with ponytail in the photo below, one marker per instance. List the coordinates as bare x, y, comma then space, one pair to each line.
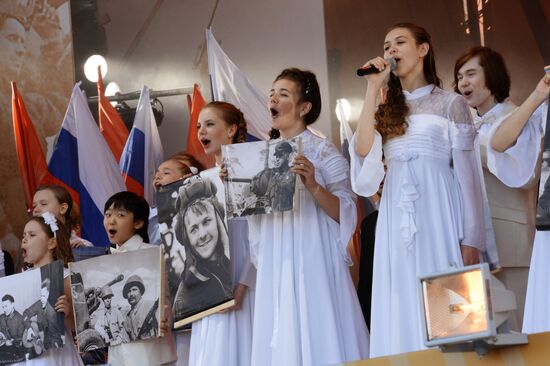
226, 338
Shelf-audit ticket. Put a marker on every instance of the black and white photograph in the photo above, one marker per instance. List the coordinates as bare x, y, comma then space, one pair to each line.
195, 239
29, 325
259, 180
117, 298
543, 203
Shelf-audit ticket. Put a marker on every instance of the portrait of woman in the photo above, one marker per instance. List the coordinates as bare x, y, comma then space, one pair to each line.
200, 227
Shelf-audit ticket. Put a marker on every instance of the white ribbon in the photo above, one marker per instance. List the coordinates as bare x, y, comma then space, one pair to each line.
49, 219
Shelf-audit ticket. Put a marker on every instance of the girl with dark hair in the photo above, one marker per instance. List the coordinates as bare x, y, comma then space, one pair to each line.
226, 338
482, 78
125, 220
46, 240
57, 200
515, 144
306, 308
431, 213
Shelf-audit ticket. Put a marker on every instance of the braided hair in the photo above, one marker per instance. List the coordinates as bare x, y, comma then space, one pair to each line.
232, 116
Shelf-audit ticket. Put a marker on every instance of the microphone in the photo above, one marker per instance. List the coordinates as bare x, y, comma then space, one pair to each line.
370, 69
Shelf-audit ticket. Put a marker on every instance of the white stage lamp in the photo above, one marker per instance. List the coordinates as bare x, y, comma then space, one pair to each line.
90, 67
462, 310
111, 90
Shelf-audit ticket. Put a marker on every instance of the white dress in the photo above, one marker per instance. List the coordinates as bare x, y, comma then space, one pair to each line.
515, 167
226, 339
65, 356
306, 308
432, 180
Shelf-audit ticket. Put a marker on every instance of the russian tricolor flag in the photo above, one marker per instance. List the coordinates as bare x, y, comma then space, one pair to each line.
143, 152
84, 163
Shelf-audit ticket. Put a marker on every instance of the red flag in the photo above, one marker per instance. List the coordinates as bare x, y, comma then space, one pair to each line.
194, 146
110, 124
30, 156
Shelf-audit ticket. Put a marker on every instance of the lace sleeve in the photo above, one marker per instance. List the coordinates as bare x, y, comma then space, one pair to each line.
335, 172
462, 134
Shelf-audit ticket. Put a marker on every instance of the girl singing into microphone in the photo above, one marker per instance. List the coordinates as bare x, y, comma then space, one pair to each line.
430, 214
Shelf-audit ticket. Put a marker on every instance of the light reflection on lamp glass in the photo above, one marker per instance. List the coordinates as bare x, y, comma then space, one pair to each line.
455, 305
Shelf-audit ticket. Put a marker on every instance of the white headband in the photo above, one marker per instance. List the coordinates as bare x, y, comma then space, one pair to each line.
50, 219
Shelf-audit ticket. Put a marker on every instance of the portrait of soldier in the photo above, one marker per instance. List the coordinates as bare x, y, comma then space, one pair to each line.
276, 183
201, 229
93, 302
42, 328
109, 321
11, 322
141, 320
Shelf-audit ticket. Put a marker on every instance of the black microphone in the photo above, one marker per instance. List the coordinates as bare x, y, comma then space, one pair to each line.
370, 69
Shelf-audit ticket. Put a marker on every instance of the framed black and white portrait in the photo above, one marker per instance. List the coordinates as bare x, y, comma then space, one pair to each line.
259, 179
118, 298
194, 234
29, 324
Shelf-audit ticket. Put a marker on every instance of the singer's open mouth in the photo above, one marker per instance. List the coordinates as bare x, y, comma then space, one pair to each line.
205, 142
274, 112
467, 93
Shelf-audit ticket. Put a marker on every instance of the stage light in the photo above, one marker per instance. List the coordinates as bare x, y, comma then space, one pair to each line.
90, 67
343, 109
466, 309
111, 89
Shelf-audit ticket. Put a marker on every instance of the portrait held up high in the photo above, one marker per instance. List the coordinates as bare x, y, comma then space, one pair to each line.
259, 179
196, 242
117, 298
29, 325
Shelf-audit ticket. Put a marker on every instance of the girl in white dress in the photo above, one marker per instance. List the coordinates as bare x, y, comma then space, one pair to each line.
306, 310
482, 78
516, 142
45, 240
226, 338
431, 206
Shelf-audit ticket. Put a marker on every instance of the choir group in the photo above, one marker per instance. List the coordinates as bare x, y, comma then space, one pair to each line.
458, 171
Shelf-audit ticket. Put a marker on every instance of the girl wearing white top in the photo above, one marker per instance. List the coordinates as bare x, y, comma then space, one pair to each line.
306, 310
431, 206
45, 240
226, 338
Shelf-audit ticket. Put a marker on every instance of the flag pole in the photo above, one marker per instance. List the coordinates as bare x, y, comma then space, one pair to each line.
119, 97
